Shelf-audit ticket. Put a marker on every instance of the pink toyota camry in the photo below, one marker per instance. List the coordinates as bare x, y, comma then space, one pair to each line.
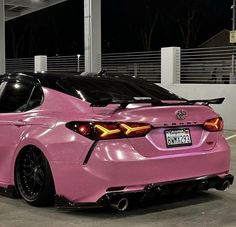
94, 140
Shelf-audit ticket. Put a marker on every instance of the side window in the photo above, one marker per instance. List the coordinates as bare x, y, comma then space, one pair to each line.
15, 97
36, 98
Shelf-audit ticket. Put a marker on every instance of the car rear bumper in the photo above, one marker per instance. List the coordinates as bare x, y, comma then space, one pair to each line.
116, 163
151, 191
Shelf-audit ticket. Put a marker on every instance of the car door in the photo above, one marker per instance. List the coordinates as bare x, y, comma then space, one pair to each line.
14, 96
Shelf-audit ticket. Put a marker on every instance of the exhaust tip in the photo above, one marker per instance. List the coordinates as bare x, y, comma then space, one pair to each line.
224, 186
121, 205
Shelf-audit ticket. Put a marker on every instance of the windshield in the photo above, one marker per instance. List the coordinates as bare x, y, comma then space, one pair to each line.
94, 89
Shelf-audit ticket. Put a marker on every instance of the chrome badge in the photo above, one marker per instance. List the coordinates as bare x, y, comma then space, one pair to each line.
180, 114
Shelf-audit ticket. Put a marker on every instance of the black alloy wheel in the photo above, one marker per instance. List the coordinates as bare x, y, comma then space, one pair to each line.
33, 177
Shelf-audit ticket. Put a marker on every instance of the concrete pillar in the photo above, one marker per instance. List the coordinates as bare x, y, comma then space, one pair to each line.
2, 38
40, 63
232, 78
170, 65
92, 35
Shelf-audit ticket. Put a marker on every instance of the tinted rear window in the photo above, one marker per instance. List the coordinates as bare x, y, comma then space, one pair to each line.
91, 89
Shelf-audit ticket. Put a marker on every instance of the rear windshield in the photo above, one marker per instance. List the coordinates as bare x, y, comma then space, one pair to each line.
93, 89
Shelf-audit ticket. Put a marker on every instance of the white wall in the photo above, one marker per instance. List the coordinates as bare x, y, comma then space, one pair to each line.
208, 91
170, 65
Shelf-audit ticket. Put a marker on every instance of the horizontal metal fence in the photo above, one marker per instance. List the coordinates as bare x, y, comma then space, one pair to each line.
82, 63
63, 63
20, 65
199, 65
207, 65
145, 65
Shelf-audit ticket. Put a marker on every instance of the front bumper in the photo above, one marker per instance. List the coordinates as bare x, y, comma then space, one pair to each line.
151, 191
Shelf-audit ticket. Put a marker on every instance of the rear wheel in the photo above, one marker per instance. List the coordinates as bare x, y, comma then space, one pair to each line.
34, 178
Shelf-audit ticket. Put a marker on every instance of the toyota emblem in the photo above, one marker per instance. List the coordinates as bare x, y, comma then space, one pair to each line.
180, 114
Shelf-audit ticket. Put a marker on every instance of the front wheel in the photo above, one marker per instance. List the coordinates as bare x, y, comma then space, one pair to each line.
33, 177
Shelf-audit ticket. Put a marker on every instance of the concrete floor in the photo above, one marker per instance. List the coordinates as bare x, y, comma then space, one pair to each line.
213, 208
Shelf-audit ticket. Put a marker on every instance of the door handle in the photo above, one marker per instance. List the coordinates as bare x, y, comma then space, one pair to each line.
19, 123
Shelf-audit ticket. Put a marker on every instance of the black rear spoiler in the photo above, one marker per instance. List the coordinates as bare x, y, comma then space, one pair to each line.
125, 103
206, 101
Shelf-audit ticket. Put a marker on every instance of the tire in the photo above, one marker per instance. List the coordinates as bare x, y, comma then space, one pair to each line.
33, 177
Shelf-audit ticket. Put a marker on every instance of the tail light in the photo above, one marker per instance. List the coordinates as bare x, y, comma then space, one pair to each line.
214, 125
133, 129
109, 130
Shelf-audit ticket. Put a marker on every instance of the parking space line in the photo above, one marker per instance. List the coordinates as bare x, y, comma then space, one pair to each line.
231, 137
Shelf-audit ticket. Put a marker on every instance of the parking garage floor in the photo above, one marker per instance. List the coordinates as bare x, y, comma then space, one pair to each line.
212, 208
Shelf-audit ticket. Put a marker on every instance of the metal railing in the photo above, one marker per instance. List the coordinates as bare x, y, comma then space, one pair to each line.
20, 65
199, 65
145, 65
207, 65
63, 63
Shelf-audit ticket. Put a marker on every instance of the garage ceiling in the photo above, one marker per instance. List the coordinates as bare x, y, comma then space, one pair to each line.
17, 8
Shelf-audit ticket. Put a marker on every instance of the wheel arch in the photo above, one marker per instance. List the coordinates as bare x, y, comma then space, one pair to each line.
21, 149
46, 189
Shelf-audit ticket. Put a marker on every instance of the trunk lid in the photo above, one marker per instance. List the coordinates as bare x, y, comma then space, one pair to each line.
166, 118
163, 116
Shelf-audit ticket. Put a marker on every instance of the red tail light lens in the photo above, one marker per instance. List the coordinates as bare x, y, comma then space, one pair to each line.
82, 128
214, 125
101, 131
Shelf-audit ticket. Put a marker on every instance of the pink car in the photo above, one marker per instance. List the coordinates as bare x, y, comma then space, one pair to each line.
98, 140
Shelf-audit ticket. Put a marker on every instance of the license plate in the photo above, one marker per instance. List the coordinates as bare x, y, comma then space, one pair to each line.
178, 137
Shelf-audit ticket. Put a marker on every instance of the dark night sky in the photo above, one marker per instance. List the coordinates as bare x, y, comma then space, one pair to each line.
59, 29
